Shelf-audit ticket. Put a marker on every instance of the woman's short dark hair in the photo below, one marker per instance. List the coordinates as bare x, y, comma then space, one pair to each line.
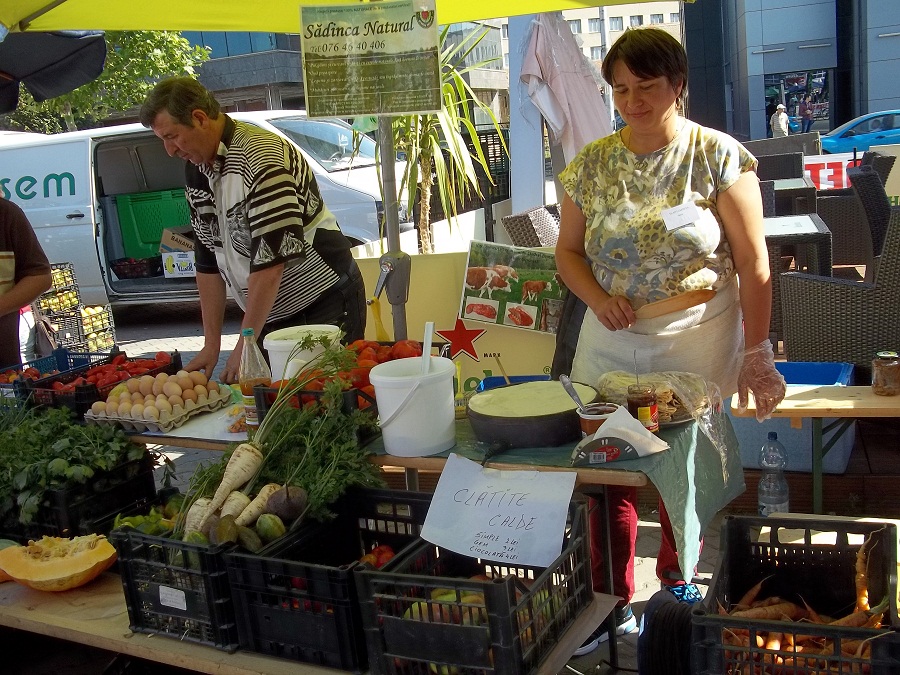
649, 53
178, 96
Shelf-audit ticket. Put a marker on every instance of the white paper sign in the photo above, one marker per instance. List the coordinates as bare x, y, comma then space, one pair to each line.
516, 517
680, 216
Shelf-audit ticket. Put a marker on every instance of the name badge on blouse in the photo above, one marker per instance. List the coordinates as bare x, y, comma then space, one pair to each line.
681, 216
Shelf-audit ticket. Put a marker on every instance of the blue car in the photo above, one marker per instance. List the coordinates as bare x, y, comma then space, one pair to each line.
879, 128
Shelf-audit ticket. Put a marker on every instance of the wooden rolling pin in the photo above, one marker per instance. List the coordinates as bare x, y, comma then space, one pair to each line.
675, 304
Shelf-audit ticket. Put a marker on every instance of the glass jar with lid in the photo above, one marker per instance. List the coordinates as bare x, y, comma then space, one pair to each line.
886, 373
642, 405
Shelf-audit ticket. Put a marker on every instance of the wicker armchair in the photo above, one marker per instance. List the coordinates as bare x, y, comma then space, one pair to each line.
767, 189
881, 163
537, 227
828, 319
773, 167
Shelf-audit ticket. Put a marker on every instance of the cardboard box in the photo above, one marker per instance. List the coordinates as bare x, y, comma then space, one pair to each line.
178, 264
177, 239
798, 442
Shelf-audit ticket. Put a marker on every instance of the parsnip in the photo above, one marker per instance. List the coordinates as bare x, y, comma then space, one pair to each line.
194, 518
236, 502
258, 506
243, 464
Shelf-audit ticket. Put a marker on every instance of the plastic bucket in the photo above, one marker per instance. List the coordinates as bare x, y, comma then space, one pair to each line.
415, 411
279, 344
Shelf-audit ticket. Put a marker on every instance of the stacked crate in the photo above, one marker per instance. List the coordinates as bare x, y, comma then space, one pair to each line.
77, 327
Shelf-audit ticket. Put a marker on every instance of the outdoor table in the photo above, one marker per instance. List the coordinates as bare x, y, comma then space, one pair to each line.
794, 196
96, 615
816, 403
804, 236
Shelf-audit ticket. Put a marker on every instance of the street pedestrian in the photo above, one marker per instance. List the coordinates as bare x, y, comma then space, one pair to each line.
806, 114
779, 122
24, 275
262, 230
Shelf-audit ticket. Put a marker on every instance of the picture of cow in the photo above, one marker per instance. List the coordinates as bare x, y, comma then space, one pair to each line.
485, 280
506, 272
532, 289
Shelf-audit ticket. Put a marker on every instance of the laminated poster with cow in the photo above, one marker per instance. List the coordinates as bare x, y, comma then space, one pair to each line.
512, 286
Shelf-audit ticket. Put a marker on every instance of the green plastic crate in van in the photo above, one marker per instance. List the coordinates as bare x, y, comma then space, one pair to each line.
144, 215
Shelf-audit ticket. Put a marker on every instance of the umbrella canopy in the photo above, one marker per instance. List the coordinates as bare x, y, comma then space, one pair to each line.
277, 16
48, 64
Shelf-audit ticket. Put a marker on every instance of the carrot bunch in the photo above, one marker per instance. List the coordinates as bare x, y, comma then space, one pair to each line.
758, 651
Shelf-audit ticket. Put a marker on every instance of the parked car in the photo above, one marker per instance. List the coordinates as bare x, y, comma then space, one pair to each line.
103, 199
878, 128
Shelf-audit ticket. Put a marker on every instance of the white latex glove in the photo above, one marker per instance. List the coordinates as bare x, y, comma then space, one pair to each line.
759, 375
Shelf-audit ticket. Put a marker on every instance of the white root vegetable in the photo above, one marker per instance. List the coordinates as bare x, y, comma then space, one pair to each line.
236, 502
258, 506
194, 518
242, 466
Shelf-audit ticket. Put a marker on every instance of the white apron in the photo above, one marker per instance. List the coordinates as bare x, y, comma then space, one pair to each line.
706, 340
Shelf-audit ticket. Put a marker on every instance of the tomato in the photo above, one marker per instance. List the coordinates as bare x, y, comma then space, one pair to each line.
383, 557
383, 353
404, 349
119, 359
359, 376
366, 397
367, 354
31, 373
163, 357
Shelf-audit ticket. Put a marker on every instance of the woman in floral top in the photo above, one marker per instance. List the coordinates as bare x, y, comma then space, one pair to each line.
662, 207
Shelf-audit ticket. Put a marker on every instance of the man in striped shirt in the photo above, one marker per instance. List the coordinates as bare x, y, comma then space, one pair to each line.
261, 228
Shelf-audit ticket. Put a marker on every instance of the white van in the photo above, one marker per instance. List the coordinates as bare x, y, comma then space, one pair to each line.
101, 198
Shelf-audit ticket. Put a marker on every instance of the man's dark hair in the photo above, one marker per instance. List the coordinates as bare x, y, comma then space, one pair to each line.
649, 53
178, 96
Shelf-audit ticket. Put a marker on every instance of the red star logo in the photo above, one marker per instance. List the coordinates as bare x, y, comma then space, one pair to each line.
461, 339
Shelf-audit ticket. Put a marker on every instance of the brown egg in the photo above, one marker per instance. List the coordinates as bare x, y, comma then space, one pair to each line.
146, 384
150, 399
137, 397
184, 381
176, 400
98, 408
163, 406
197, 377
189, 395
133, 385
151, 413
112, 408
124, 409
182, 373
212, 386
201, 391
124, 396
158, 383
137, 411
171, 388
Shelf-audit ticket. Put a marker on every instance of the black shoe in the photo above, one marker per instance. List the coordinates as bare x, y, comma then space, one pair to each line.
625, 623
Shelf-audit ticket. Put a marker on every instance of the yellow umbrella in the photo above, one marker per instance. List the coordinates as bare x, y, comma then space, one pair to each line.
277, 16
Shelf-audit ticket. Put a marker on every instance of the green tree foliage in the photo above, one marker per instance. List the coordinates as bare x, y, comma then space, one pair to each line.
135, 61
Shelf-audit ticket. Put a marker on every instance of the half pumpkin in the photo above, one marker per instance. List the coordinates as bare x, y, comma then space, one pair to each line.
56, 564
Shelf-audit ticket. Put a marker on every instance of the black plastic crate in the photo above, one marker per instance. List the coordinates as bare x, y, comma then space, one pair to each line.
176, 589
137, 268
98, 341
265, 397
62, 276
96, 317
41, 392
297, 599
68, 328
812, 561
505, 622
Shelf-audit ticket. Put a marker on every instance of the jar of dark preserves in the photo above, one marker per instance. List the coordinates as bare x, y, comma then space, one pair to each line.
642, 405
886, 374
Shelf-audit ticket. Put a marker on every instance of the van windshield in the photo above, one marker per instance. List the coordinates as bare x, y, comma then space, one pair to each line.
330, 142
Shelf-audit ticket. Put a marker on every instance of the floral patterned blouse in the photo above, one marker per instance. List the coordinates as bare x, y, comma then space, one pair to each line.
623, 195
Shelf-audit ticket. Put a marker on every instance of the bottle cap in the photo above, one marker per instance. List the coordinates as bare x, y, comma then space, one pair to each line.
247, 332
773, 435
886, 355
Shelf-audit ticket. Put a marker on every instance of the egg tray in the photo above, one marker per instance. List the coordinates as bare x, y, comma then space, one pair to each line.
167, 421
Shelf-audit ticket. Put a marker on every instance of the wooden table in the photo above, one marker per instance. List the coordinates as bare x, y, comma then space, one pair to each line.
816, 403
95, 615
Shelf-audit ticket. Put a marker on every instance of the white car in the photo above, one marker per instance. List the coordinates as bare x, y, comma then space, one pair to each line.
102, 198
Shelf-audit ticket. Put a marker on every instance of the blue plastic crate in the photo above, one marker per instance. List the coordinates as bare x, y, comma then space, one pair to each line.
798, 442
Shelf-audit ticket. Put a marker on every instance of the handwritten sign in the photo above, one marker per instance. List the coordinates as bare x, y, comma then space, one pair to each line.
370, 58
516, 517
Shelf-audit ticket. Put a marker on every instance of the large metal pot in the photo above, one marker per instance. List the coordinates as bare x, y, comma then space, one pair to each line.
528, 414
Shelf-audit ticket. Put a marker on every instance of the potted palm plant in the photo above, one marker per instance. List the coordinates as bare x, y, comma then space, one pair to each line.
435, 144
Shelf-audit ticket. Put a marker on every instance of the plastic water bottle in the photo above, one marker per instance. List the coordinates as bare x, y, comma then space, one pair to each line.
772, 495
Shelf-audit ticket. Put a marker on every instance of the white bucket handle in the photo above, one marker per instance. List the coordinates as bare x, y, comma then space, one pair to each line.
399, 408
